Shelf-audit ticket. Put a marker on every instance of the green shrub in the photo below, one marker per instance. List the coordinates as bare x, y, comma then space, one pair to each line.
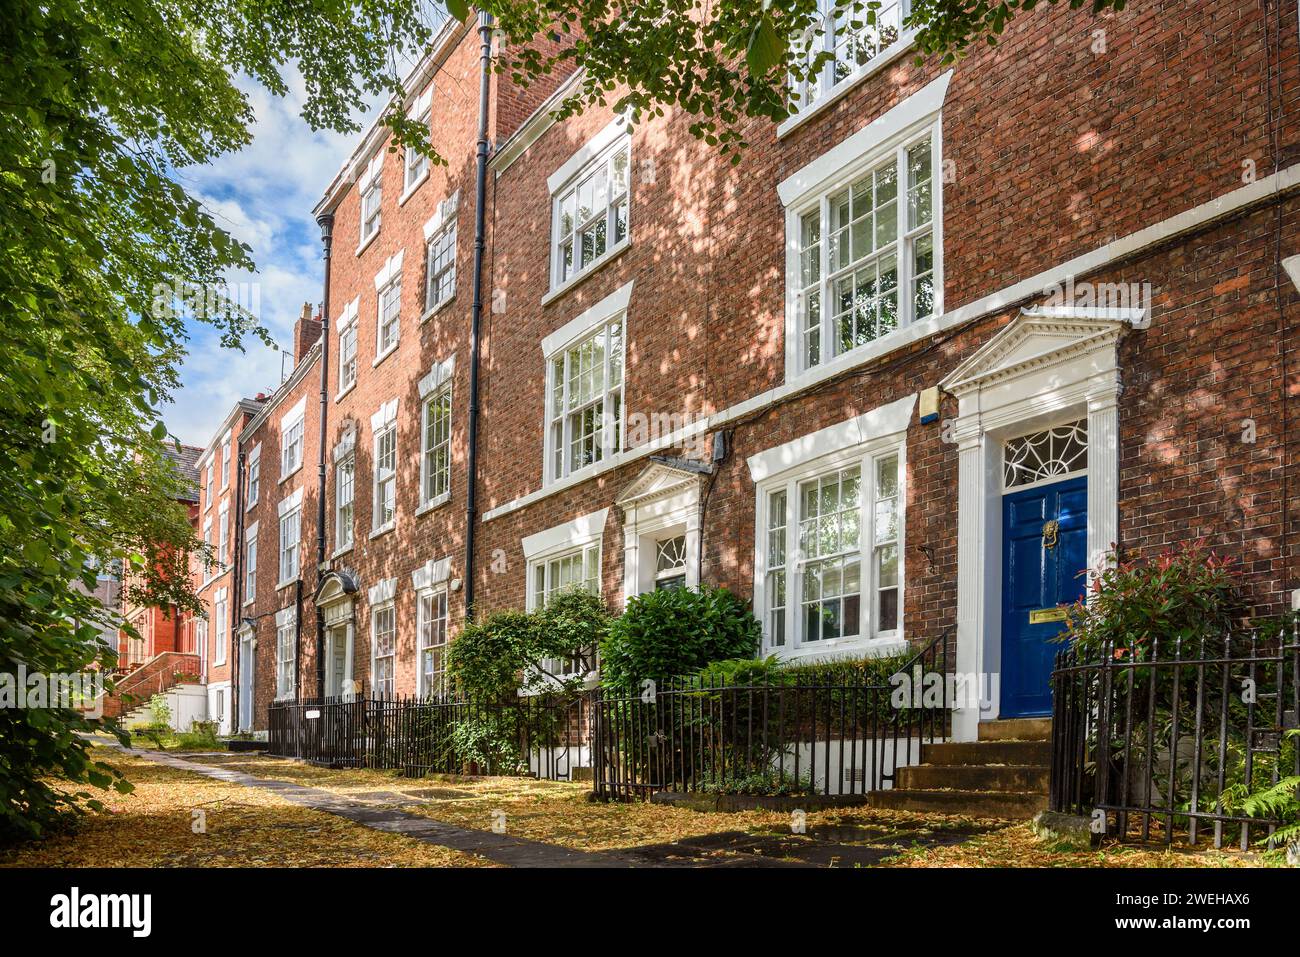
202, 736
495, 657
672, 632
1186, 594
762, 783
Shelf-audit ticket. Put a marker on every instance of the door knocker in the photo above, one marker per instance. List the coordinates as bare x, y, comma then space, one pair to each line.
1050, 530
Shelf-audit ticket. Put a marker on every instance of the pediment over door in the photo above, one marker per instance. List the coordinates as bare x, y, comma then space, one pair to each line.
1037, 340
656, 481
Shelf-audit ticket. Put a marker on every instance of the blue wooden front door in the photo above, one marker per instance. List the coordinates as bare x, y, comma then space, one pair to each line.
1040, 572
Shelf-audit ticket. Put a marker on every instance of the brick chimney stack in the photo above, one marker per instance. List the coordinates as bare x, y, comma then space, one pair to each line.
306, 331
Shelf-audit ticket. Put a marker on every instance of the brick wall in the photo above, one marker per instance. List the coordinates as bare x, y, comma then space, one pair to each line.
1052, 149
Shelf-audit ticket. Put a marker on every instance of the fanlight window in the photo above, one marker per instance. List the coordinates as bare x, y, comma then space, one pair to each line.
1050, 454
670, 562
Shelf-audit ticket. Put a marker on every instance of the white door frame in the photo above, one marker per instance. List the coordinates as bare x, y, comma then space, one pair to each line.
660, 502
247, 677
1047, 366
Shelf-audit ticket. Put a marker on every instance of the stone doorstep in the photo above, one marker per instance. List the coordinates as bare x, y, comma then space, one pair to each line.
1016, 729
974, 777
1023, 753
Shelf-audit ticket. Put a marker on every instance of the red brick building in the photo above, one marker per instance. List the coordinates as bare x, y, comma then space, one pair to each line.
160, 630
921, 358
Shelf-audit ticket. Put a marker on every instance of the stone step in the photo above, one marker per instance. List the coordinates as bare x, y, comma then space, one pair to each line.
1016, 729
974, 777
1012, 805
988, 752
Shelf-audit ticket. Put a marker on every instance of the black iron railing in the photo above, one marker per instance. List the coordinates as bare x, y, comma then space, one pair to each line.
542, 735
1165, 740
828, 733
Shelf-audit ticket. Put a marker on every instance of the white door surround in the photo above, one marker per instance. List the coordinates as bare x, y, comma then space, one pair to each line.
1045, 368
338, 609
659, 503
247, 676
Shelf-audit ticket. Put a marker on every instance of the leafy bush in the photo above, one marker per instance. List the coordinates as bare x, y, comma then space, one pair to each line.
672, 632
202, 736
160, 712
494, 658
1186, 594
766, 784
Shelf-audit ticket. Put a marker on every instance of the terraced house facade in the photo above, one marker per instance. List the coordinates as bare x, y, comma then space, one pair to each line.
933, 348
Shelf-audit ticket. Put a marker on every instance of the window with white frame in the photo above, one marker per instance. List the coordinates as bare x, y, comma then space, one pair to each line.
207, 498
435, 459
291, 438
578, 569
225, 463
200, 639
286, 664
209, 566
416, 165
370, 186
344, 495
384, 424
852, 38
388, 318
830, 553
219, 710
574, 570
223, 535
221, 617
290, 534
431, 627
590, 211
254, 475
348, 346
585, 408
866, 252
250, 563
383, 632
440, 266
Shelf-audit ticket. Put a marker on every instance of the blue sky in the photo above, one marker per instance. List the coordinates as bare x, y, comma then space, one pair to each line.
263, 195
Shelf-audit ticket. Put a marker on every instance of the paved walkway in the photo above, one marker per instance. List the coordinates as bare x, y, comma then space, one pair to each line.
499, 848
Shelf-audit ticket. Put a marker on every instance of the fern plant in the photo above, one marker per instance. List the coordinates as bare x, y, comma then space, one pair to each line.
1280, 801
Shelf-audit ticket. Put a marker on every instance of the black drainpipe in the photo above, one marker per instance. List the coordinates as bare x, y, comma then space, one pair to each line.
237, 598
326, 221
480, 199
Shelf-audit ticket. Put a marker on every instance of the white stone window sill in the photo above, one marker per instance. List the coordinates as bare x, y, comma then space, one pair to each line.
338, 396
367, 241
291, 473
251, 505
436, 308
609, 256
340, 552
410, 190
248, 601
888, 56
383, 530
280, 586
433, 503
385, 354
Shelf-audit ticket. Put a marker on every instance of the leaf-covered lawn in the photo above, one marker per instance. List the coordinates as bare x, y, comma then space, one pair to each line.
152, 827
561, 813
1016, 846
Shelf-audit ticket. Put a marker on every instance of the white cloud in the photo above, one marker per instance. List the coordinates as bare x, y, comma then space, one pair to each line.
263, 195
